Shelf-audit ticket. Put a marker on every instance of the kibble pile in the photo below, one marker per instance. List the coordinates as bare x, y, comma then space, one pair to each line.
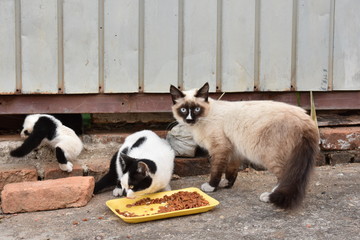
177, 201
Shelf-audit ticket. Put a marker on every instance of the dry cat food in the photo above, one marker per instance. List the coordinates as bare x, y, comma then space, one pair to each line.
127, 213
177, 201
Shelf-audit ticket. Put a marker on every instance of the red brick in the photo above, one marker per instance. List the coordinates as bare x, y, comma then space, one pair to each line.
52, 171
105, 138
340, 138
118, 137
12, 173
47, 195
191, 166
339, 157
98, 167
320, 159
356, 158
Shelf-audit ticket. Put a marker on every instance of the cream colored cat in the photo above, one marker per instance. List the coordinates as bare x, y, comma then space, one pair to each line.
278, 136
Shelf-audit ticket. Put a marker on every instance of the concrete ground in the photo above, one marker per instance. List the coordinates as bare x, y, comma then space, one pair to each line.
331, 210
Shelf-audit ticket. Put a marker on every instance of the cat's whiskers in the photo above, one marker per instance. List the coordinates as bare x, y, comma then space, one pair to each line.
171, 125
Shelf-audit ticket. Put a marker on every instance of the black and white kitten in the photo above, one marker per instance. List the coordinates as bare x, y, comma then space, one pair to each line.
144, 164
46, 129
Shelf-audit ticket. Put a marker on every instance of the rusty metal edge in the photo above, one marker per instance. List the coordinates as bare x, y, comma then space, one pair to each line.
149, 102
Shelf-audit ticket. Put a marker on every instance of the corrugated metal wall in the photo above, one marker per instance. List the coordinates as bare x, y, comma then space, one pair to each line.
123, 46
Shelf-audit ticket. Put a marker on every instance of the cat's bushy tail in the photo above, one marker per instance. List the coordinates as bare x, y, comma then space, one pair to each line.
292, 184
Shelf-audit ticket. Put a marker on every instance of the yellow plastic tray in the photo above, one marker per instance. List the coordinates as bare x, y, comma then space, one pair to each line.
121, 203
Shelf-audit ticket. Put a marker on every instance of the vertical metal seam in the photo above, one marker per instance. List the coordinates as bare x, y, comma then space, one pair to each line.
331, 46
141, 44
257, 46
295, 16
60, 30
219, 45
18, 57
181, 45
101, 45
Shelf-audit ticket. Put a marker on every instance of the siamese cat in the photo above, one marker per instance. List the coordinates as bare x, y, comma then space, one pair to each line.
275, 135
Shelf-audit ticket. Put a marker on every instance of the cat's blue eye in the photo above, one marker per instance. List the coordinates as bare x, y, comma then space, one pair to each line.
183, 110
197, 109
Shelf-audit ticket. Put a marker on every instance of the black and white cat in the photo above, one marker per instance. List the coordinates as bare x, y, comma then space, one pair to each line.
46, 129
144, 164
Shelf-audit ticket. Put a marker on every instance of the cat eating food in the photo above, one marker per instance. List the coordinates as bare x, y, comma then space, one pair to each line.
144, 164
278, 136
43, 128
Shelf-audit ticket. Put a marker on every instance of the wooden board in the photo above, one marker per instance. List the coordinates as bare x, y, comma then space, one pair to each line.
39, 45
81, 46
7, 41
199, 43
121, 52
347, 47
160, 45
275, 45
312, 65
238, 45
349, 118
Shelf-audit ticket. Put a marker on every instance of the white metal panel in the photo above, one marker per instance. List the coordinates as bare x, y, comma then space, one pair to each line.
275, 45
238, 45
161, 45
313, 45
347, 45
81, 68
7, 43
121, 46
241, 43
39, 46
200, 43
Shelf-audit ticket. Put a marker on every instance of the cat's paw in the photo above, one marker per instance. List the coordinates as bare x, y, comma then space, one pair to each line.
68, 167
224, 183
167, 188
117, 192
207, 188
265, 197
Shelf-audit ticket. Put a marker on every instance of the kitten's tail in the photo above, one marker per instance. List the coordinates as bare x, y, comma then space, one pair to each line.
292, 184
30, 143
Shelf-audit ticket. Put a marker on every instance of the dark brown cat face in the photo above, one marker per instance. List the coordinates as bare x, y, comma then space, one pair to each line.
190, 111
190, 105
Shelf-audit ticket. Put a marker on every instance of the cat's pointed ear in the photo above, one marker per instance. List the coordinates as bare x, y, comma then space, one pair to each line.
175, 93
203, 92
143, 169
126, 159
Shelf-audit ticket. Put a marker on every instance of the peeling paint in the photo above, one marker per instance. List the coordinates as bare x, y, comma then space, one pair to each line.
343, 144
353, 137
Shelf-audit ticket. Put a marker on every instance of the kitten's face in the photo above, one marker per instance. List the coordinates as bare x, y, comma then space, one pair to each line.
190, 106
28, 125
135, 184
137, 179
